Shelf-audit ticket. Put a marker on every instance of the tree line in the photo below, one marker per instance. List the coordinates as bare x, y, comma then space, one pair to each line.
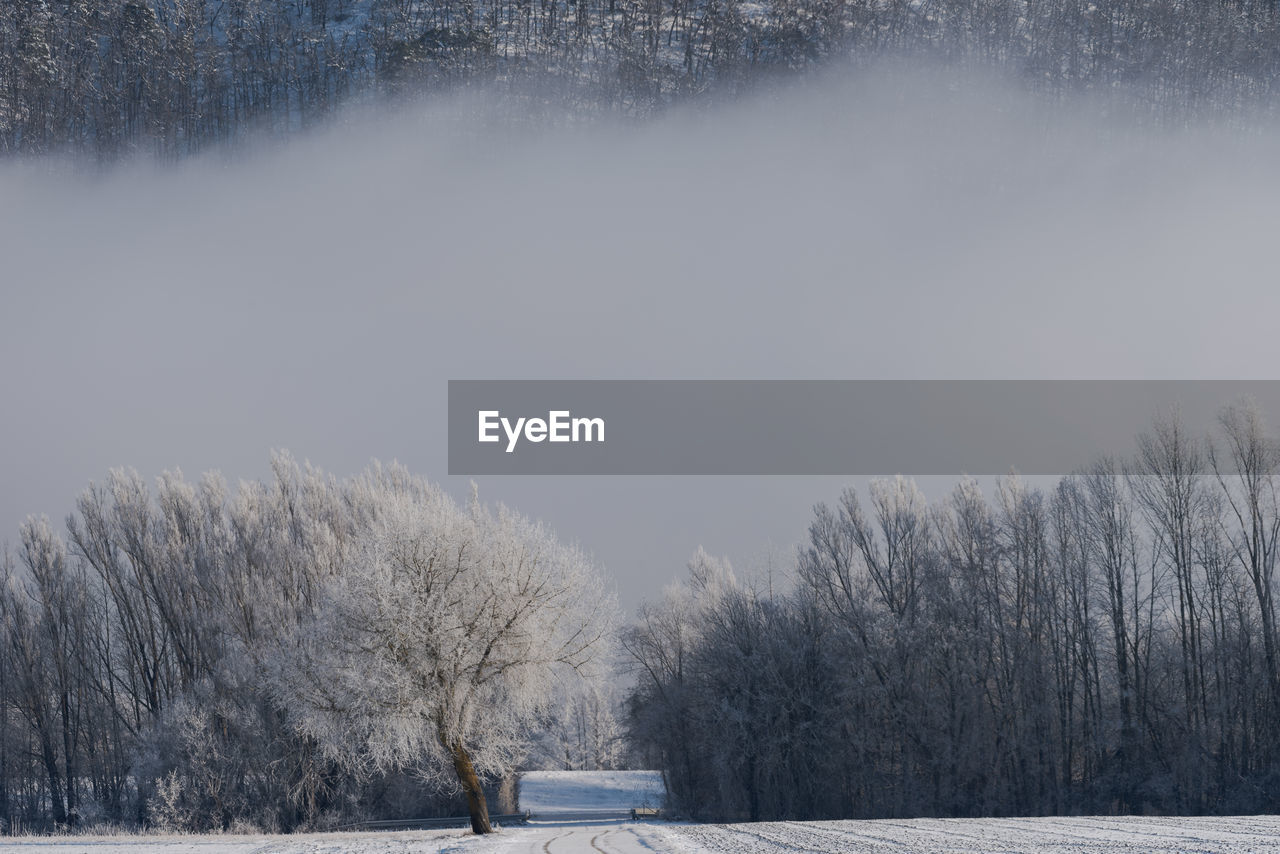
1105, 645
301, 653
173, 76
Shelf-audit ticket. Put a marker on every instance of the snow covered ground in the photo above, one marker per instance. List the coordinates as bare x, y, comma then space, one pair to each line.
569, 807
923, 836
406, 842
986, 836
548, 793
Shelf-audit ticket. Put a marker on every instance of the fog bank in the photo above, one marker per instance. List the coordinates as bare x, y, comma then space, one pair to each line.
317, 295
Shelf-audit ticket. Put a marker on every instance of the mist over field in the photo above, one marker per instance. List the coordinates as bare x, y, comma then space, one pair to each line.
899, 222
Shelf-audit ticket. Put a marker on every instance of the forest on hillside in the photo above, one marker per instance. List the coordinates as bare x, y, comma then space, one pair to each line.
1107, 645
168, 77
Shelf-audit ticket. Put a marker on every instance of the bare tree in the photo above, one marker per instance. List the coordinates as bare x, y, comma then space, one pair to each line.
1246, 470
438, 637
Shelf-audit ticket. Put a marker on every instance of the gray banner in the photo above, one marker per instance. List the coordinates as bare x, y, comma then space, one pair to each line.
820, 427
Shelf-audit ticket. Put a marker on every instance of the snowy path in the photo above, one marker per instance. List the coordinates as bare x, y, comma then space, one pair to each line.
576, 812
585, 838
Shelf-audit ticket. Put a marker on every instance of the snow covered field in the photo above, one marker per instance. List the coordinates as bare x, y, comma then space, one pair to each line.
568, 809
984, 836
409, 842
546, 793
945, 836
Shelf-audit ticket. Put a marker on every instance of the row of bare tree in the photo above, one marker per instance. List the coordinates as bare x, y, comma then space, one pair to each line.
304, 652
106, 76
1108, 645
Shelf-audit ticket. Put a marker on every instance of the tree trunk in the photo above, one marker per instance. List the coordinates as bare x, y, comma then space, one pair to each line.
476, 804
49, 754
509, 793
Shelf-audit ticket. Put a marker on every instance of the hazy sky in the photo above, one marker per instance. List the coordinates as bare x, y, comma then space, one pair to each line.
317, 295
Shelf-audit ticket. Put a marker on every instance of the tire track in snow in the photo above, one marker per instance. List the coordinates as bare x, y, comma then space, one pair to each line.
546, 846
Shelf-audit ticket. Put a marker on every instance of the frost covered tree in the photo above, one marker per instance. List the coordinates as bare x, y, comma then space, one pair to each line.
297, 654
438, 636
580, 729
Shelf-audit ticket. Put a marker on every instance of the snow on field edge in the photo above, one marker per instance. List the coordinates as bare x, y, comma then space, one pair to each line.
578, 791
